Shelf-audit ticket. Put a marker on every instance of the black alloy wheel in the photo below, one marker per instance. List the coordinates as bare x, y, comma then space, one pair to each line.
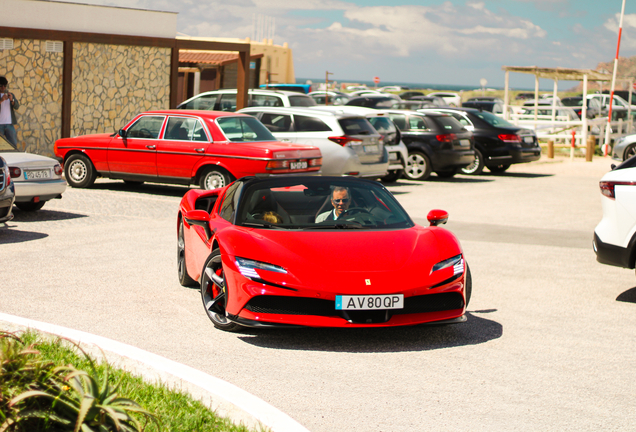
214, 293
468, 284
477, 167
184, 279
629, 152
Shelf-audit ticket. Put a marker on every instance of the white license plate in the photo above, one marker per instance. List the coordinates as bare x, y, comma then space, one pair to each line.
39, 174
370, 148
370, 302
464, 142
528, 140
298, 165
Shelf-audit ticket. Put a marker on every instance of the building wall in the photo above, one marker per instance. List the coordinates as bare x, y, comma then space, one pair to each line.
113, 83
34, 77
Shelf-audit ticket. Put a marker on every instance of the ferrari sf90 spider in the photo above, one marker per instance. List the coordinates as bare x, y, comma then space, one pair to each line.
318, 252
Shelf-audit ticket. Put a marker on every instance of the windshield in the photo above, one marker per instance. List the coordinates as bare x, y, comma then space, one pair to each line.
493, 120
303, 101
320, 203
244, 129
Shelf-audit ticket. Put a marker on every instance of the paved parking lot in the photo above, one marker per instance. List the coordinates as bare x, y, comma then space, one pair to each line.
548, 344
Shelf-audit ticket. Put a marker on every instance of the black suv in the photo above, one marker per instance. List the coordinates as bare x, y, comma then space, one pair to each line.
436, 143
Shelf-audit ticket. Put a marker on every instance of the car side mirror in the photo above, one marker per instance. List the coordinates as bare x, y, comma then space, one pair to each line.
437, 217
122, 133
200, 218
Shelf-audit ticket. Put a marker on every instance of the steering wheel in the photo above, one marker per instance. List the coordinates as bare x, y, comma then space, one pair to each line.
354, 210
146, 133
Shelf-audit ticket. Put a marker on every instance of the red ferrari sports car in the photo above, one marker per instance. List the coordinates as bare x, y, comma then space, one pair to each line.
318, 252
208, 148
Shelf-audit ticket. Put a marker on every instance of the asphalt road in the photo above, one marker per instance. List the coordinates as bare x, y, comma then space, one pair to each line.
548, 345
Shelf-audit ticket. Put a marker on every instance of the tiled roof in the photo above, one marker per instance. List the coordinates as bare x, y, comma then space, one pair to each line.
210, 57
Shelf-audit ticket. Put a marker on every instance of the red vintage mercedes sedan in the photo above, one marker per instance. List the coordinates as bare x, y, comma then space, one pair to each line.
208, 148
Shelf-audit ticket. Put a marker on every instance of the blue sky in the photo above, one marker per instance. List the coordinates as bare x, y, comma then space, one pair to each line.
454, 42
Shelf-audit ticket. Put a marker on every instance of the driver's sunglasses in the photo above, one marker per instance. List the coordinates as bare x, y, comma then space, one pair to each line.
341, 201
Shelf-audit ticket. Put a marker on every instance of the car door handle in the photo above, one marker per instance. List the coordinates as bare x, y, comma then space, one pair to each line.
199, 150
151, 147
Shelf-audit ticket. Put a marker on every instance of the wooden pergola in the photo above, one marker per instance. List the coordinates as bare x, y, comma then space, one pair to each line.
556, 74
70, 37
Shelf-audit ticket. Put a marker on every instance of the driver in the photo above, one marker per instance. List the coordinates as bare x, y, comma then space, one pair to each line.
340, 200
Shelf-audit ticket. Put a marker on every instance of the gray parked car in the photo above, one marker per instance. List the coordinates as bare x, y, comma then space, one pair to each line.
624, 148
349, 144
225, 99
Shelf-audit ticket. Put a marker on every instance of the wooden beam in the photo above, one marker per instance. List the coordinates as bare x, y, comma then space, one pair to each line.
242, 80
174, 78
67, 89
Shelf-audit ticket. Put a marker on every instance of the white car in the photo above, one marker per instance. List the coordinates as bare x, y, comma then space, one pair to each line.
332, 97
37, 178
615, 236
605, 98
349, 144
225, 99
451, 99
398, 153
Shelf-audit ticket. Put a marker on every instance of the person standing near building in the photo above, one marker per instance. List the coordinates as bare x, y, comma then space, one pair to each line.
8, 103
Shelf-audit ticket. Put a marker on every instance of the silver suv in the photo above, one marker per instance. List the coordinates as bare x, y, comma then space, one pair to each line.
225, 99
348, 142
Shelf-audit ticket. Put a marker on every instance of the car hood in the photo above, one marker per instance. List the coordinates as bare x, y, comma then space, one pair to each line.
347, 261
22, 159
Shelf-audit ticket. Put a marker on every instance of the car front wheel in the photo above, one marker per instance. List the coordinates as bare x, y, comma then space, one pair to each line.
214, 293
418, 166
214, 178
79, 171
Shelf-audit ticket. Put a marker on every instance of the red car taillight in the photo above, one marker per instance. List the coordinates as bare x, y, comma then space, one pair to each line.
512, 138
446, 137
57, 169
15, 172
343, 140
607, 187
277, 164
315, 162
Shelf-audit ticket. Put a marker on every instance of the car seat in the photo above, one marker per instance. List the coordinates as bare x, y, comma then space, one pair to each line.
263, 201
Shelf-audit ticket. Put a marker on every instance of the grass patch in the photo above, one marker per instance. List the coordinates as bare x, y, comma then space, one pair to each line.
28, 363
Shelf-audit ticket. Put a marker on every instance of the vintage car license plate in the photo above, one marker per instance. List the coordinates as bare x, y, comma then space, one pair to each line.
464, 143
528, 140
37, 174
298, 165
370, 148
370, 302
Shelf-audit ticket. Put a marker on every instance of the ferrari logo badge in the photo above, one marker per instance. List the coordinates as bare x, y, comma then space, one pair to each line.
367, 281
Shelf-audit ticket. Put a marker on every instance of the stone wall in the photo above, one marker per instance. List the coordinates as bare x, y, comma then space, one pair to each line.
34, 77
113, 83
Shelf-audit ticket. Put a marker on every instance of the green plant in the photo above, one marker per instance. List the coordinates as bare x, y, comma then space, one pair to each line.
82, 399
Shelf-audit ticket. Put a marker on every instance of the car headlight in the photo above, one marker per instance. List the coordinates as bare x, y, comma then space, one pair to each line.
248, 267
457, 262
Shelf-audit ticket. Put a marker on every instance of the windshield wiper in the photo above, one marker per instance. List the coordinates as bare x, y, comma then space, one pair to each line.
261, 225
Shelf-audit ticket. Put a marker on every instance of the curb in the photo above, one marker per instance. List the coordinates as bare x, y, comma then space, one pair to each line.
224, 398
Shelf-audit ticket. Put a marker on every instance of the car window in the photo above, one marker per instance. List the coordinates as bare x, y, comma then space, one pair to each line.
492, 119
461, 119
399, 120
447, 123
244, 129
356, 126
417, 123
227, 102
146, 127
266, 100
302, 101
310, 124
230, 201
386, 128
184, 129
205, 102
277, 122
